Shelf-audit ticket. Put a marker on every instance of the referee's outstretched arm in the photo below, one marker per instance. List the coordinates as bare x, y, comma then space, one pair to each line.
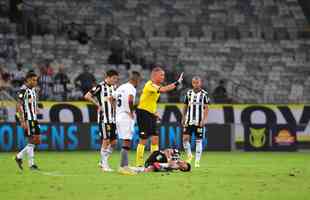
171, 86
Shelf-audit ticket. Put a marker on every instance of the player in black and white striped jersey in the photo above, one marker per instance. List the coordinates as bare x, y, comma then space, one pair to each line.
195, 115
27, 115
102, 96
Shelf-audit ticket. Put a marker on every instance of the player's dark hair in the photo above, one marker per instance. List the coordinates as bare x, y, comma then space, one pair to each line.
30, 75
112, 72
188, 169
134, 75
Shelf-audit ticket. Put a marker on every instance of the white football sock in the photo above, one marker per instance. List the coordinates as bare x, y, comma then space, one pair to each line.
187, 148
198, 150
31, 154
22, 153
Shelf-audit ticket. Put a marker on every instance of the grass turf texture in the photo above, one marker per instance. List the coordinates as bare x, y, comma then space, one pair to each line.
238, 175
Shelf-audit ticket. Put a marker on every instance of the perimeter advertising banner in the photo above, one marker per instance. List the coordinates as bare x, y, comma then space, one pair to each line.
84, 136
296, 115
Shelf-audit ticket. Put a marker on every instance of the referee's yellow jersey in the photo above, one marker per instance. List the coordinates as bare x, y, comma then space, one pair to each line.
149, 97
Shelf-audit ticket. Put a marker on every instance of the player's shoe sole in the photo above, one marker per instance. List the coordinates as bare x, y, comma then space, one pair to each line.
126, 171
19, 162
197, 164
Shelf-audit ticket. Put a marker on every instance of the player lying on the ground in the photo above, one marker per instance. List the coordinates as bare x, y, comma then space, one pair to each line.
164, 161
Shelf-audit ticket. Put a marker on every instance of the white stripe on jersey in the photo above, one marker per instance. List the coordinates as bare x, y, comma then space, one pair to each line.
28, 97
103, 92
195, 106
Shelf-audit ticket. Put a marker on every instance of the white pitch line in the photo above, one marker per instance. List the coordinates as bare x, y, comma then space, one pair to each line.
55, 173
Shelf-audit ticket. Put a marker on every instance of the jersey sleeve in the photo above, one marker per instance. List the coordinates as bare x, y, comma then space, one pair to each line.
151, 87
95, 90
21, 95
206, 99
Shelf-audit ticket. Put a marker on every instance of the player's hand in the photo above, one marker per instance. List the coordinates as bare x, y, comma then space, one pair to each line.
99, 108
23, 125
157, 116
183, 121
180, 79
131, 115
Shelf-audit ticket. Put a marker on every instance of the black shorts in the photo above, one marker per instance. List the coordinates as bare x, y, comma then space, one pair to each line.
156, 156
33, 128
190, 129
146, 123
107, 131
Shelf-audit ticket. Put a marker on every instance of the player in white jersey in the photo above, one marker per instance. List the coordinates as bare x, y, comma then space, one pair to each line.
102, 96
27, 115
195, 115
125, 97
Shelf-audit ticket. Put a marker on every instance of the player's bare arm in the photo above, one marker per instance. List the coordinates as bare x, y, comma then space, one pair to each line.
184, 113
21, 115
89, 97
131, 105
171, 86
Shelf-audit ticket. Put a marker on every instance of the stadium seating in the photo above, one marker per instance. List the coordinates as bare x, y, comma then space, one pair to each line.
253, 44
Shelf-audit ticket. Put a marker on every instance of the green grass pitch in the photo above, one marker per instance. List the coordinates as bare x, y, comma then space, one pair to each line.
236, 175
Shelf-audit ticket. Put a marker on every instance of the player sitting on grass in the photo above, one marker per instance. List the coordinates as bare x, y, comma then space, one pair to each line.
164, 161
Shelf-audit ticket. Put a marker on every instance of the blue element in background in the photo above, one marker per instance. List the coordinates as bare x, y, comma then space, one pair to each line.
6, 131
57, 137
21, 139
43, 137
71, 132
94, 137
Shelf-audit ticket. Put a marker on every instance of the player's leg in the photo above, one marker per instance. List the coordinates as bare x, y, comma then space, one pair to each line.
153, 131
125, 128
142, 120
33, 140
108, 145
105, 146
186, 143
199, 134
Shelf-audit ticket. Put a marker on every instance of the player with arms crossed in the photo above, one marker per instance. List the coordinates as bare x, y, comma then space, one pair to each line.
27, 115
102, 96
195, 115
146, 111
125, 97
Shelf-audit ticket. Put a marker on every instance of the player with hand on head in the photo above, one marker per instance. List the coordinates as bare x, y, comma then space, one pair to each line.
146, 111
102, 96
27, 107
194, 117
164, 161
125, 97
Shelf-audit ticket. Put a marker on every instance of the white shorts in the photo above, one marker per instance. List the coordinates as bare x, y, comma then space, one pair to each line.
124, 126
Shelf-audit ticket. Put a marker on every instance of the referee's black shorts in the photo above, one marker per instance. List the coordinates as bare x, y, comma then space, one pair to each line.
146, 123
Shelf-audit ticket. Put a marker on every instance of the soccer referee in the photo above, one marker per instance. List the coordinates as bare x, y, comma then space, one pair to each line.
146, 111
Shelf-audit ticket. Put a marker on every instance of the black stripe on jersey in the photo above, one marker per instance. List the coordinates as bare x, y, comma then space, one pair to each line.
106, 106
200, 108
188, 108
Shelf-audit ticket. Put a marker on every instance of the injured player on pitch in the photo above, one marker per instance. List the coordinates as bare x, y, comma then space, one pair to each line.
164, 161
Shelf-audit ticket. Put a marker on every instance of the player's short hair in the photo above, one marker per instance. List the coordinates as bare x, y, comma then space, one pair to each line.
112, 72
189, 167
30, 75
196, 78
135, 75
157, 69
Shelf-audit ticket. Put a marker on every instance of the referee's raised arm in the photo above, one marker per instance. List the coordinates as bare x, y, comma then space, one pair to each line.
171, 86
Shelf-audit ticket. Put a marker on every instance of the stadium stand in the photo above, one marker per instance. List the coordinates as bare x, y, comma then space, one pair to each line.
257, 46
